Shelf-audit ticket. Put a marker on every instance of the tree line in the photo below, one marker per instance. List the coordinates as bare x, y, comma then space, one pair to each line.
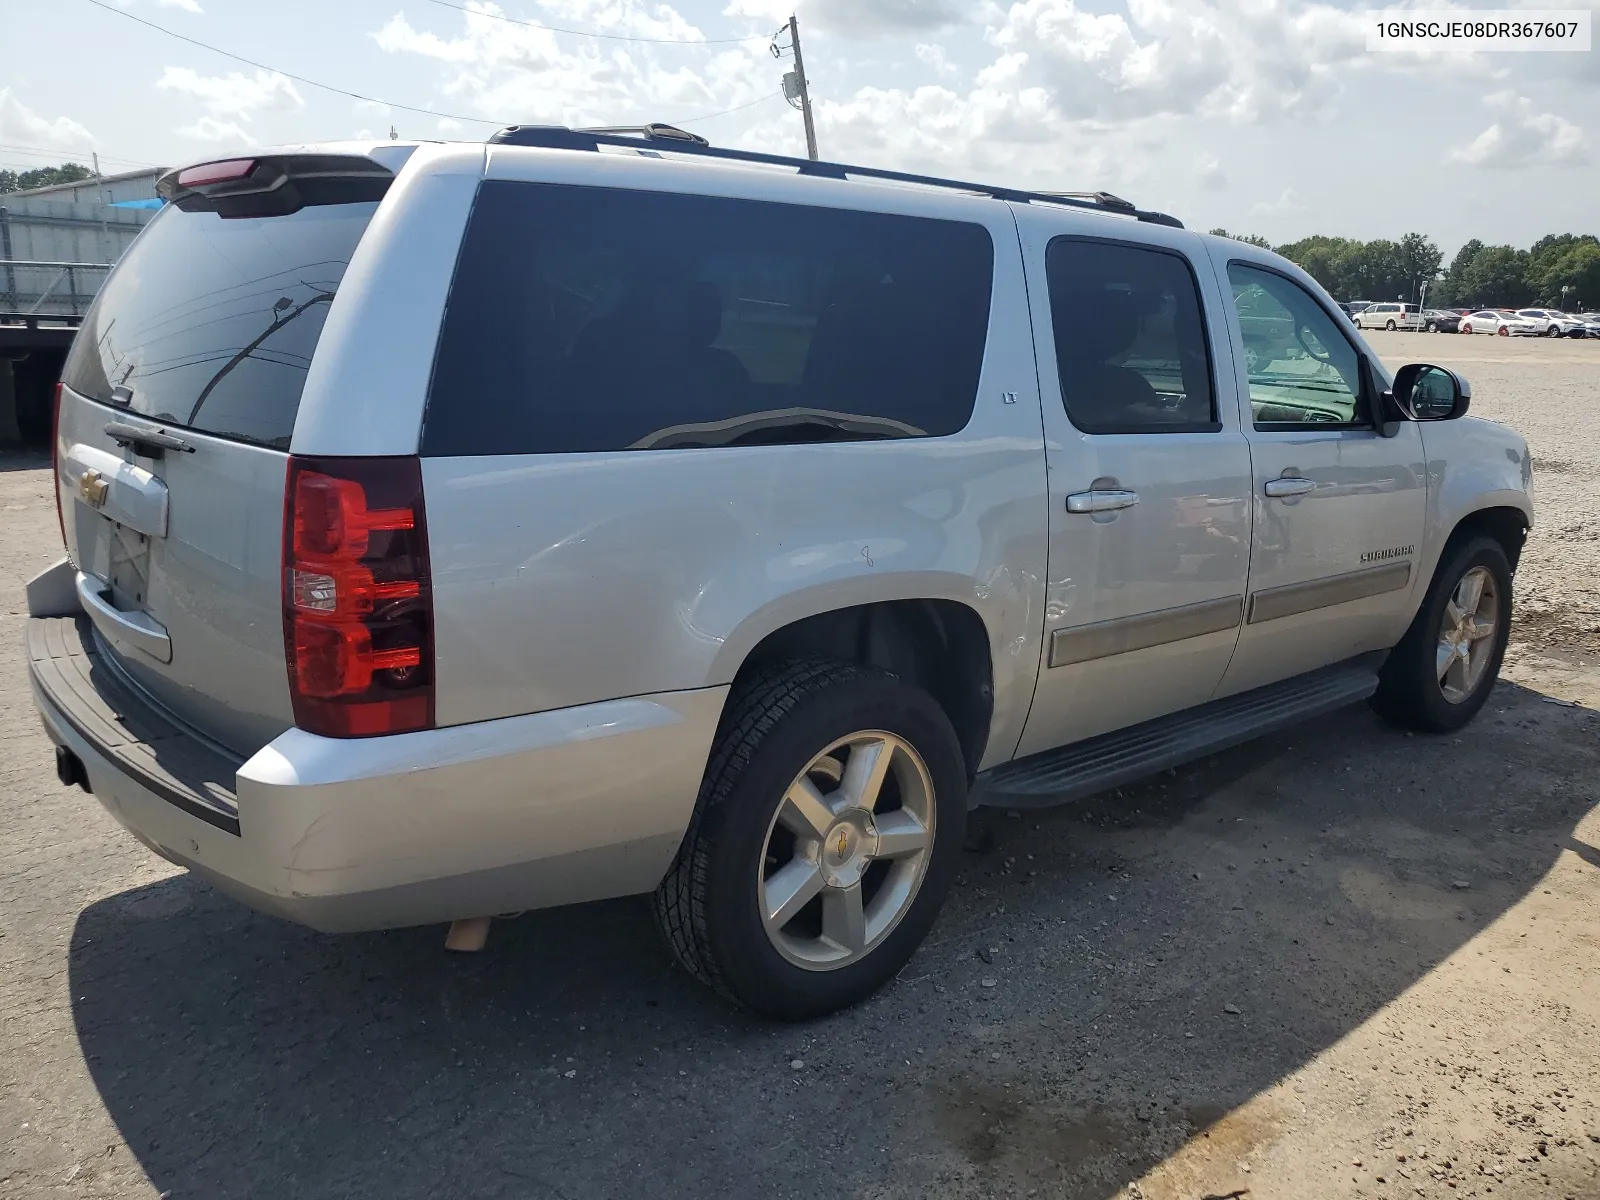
21, 181
1558, 271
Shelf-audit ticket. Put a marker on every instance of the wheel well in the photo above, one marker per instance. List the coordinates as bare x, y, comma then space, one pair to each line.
1506, 525
942, 646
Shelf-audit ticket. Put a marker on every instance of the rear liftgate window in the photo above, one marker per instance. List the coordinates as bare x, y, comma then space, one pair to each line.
210, 322
589, 319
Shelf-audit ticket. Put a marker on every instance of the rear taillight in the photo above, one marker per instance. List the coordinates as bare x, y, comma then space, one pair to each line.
357, 597
55, 460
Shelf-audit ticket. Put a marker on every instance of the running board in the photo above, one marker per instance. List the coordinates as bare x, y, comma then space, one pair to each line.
1113, 759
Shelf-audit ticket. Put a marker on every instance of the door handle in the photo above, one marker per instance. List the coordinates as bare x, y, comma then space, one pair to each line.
1101, 501
135, 628
1289, 485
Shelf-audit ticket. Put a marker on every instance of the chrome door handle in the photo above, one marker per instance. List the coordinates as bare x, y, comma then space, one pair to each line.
1101, 501
1289, 485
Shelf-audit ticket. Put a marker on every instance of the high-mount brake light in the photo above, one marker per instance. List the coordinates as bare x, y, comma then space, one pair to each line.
357, 598
216, 172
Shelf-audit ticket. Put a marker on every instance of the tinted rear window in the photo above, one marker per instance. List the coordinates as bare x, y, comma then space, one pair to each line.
212, 322
1131, 344
590, 319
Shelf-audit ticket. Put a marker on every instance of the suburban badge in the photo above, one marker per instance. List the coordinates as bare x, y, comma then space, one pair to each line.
1372, 556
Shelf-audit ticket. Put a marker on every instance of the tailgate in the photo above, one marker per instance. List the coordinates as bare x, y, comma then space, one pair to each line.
176, 412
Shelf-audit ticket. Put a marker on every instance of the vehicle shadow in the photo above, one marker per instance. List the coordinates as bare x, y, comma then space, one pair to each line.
1063, 1029
24, 458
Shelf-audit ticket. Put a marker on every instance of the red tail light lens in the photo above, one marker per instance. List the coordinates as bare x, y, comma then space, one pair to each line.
357, 596
55, 461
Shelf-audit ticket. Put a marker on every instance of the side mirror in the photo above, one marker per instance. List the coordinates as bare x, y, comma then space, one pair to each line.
1429, 393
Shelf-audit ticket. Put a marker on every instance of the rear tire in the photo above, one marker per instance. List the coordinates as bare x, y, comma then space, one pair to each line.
1389, 325
799, 725
1443, 670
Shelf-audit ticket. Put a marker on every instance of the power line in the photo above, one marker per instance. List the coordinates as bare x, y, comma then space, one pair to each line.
133, 162
327, 87
725, 112
612, 37
427, 112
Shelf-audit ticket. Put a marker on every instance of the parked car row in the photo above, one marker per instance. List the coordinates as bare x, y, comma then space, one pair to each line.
1503, 322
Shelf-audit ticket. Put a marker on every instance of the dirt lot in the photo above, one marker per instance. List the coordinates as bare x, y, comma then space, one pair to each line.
1341, 962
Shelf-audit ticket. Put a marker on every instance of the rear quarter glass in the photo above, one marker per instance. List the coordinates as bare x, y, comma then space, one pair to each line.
593, 319
212, 322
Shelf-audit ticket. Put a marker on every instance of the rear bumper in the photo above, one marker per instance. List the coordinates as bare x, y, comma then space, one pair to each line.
526, 812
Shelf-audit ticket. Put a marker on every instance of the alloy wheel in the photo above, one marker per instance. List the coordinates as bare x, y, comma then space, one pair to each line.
846, 851
1467, 635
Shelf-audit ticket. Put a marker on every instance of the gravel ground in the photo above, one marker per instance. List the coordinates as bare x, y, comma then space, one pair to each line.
1340, 962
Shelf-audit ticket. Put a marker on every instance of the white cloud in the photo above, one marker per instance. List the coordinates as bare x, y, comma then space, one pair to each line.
1523, 137
1238, 61
935, 58
1287, 204
871, 17
209, 129
514, 73
20, 125
188, 6
1209, 173
1043, 93
233, 95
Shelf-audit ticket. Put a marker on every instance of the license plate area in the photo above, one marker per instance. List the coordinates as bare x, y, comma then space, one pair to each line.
117, 554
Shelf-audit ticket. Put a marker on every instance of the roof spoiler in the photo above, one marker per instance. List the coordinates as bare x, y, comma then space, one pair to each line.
271, 185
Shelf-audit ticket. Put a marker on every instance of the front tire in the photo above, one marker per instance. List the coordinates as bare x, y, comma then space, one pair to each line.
827, 833
1443, 670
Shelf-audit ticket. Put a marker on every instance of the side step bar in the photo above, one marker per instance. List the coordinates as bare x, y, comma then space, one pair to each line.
1113, 759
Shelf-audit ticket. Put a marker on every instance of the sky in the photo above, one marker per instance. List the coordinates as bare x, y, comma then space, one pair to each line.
1262, 116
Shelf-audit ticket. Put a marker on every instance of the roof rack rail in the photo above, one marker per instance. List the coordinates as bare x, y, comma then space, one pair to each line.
677, 141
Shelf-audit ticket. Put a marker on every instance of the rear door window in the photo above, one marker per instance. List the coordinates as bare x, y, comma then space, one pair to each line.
211, 322
591, 319
1131, 345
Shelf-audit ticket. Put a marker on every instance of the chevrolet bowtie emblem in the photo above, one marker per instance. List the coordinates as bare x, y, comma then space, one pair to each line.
93, 486
844, 842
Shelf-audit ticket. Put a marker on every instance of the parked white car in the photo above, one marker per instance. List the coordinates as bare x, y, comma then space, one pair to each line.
1503, 322
1556, 323
1389, 316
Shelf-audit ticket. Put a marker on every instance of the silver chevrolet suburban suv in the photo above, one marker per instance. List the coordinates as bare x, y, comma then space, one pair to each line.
455, 530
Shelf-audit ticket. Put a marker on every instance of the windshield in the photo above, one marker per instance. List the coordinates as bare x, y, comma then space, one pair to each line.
211, 322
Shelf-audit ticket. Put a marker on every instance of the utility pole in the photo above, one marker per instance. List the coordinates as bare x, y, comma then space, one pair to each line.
795, 86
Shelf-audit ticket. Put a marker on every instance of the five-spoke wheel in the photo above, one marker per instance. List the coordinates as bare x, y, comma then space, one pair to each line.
1467, 634
1442, 671
825, 838
846, 850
